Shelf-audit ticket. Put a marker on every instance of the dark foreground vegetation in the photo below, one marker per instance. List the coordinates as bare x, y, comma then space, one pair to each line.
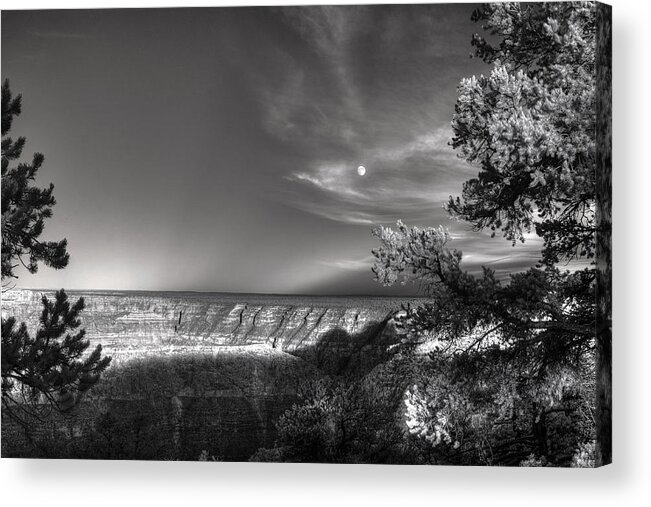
173, 408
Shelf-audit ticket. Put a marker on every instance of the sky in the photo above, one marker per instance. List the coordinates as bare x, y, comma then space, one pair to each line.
216, 149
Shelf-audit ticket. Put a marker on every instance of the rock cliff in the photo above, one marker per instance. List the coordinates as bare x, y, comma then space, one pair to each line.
139, 324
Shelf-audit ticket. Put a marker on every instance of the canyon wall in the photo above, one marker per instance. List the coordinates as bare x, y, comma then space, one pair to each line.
139, 324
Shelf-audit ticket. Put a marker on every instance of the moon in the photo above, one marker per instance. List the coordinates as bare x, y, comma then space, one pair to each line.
361, 170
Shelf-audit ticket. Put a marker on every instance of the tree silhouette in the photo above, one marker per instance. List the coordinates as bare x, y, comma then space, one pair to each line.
51, 368
24, 207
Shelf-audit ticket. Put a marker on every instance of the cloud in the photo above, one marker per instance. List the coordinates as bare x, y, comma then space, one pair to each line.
282, 106
363, 89
480, 250
360, 78
361, 264
427, 143
408, 180
331, 32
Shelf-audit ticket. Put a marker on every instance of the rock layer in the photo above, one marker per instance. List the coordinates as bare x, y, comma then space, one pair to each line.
138, 324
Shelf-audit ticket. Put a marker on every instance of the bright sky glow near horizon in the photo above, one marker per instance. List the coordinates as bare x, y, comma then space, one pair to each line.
220, 149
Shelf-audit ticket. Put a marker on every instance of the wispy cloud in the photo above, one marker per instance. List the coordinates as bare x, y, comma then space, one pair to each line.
356, 94
480, 250
331, 32
361, 264
315, 100
331, 179
410, 180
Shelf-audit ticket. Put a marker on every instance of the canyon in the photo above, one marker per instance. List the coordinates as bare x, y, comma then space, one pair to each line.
209, 373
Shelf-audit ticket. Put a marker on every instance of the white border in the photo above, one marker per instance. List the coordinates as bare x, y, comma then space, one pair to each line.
33, 482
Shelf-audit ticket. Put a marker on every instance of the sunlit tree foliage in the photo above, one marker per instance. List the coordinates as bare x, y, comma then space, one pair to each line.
525, 345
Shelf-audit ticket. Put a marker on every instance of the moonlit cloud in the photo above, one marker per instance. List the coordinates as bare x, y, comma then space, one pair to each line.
409, 181
336, 179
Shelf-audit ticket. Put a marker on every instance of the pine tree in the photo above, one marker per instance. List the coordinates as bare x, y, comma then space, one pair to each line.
24, 207
51, 368
530, 127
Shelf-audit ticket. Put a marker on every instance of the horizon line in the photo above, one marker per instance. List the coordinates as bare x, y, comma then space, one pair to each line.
49, 289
